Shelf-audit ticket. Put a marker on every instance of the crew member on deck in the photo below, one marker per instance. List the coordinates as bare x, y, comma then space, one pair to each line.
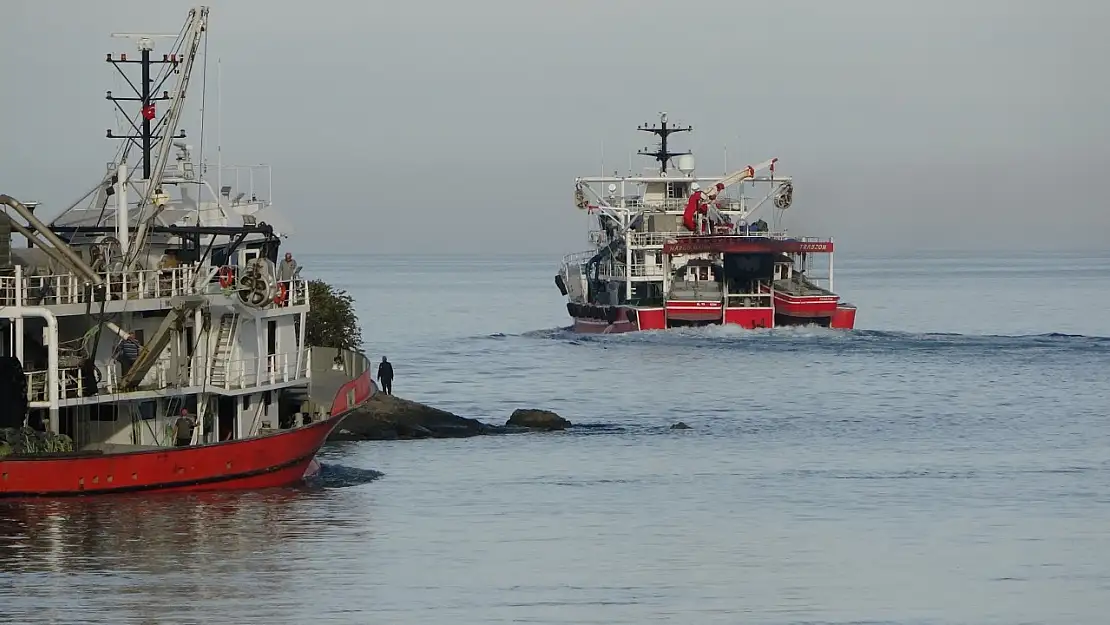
127, 352
288, 269
713, 217
160, 197
183, 429
385, 376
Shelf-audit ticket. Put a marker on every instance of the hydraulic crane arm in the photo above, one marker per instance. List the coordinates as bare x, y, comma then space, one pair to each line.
699, 199
61, 250
737, 177
58, 249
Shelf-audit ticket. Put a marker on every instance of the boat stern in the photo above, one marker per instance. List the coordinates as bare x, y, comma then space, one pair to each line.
844, 317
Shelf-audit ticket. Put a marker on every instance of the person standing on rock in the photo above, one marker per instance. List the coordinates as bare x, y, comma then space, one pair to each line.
385, 376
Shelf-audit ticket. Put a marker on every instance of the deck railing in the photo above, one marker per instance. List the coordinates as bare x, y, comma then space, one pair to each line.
658, 239
749, 300
577, 258
68, 288
241, 374
140, 284
265, 370
636, 270
296, 294
676, 205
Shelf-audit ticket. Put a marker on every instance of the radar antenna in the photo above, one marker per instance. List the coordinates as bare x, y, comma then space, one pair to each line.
663, 130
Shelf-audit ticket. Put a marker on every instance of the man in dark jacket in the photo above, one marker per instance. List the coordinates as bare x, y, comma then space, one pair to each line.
385, 376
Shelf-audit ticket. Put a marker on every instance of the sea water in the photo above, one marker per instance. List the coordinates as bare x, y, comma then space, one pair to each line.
946, 463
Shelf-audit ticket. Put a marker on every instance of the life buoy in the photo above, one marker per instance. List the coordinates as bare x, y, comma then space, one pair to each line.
227, 276
282, 294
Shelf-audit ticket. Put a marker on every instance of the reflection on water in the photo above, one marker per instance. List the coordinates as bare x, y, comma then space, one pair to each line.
140, 558
153, 533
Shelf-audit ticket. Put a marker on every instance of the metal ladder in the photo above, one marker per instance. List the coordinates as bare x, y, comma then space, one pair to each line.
229, 323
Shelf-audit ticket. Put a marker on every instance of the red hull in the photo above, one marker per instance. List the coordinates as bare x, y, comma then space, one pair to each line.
750, 318
593, 326
838, 316
625, 320
805, 305
280, 459
694, 311
844, 318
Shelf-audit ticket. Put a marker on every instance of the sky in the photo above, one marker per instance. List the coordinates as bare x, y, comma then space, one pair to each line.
458, 127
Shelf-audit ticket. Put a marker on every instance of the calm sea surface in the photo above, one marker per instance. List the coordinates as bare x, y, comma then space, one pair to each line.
948, 463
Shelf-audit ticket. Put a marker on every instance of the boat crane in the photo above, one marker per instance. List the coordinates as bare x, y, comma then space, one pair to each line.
700, 201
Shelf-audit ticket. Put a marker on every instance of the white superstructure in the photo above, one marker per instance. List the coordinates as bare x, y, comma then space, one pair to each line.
192, 271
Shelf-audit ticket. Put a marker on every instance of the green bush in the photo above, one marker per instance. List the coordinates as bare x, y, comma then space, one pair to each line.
332, 321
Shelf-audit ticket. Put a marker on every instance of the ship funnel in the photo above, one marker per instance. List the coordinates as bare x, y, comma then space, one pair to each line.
685, 163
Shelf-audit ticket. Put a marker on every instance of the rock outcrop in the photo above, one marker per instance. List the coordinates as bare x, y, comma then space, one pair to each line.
387, 417
681, 425
535, 419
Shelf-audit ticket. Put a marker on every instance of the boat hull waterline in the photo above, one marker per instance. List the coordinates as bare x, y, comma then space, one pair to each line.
621, 319
285, 458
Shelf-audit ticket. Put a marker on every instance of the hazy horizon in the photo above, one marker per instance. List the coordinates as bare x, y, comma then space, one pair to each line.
441, 127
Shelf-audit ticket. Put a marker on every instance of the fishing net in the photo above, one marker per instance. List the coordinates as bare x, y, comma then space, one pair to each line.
26, 441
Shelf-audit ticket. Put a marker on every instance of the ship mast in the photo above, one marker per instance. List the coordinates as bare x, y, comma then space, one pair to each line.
145, 93
663, 131
154, 135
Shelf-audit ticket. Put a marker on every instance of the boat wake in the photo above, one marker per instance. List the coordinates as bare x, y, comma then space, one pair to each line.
813, 338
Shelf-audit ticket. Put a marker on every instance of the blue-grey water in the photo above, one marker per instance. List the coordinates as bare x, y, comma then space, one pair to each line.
947, 463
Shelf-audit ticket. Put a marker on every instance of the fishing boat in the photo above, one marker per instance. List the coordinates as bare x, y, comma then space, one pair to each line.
671, 249
156, 258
